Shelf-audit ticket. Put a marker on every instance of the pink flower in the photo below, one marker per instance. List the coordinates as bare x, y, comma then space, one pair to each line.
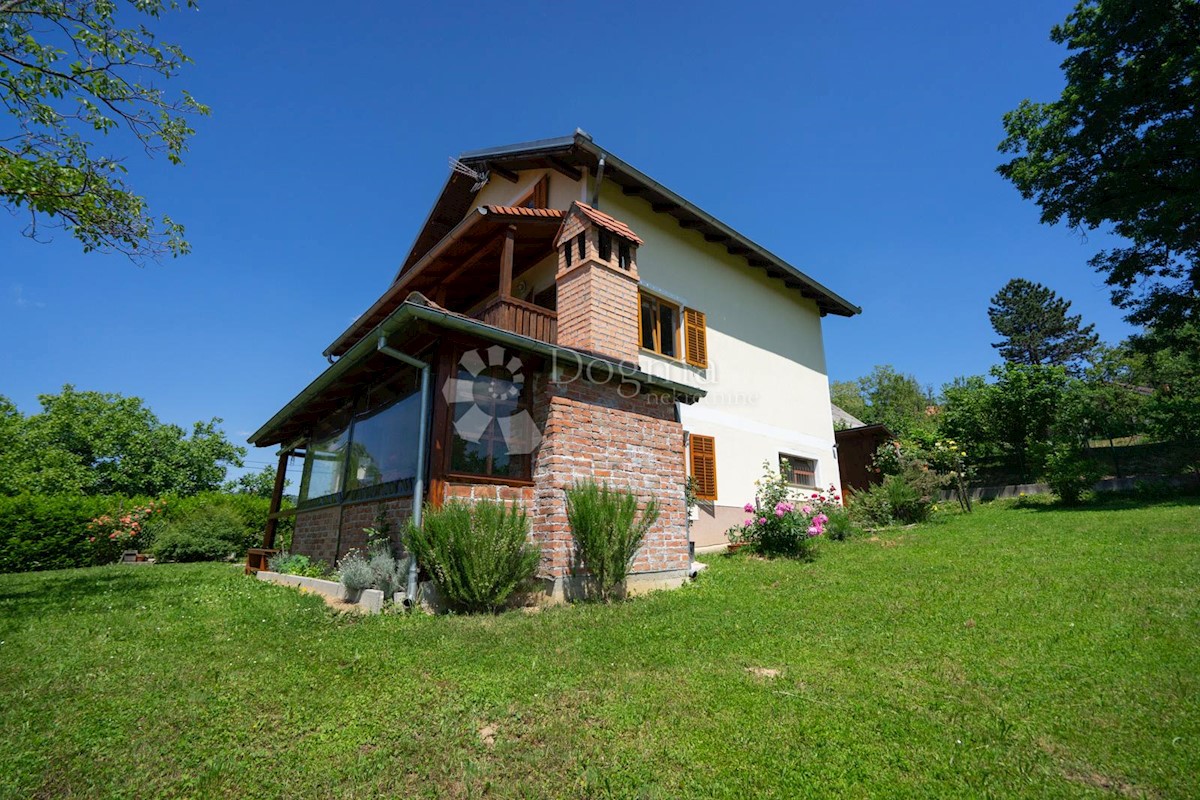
820, 519
112, 535
748, 508
814, 530
762, 520
806, 510
91, 538
749, 522
779, 512
816, 496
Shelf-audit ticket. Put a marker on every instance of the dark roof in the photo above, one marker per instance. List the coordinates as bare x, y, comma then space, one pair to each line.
570, 155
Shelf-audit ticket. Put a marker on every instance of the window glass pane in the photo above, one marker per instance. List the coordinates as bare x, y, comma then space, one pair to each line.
324, 466
478, 446
800, 471
384, 447
666, 329
648, 305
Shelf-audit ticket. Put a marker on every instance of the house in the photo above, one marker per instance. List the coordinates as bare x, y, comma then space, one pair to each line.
562, 316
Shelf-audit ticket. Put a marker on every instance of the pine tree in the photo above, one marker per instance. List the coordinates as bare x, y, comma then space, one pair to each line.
1036, 327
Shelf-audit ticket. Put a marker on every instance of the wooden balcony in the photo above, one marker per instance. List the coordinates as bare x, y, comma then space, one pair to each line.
521, 317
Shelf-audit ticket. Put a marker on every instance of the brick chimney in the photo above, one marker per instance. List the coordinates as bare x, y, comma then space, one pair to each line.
597, 284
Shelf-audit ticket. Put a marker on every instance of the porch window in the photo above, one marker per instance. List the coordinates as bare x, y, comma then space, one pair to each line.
799, 471
382, 458
659, 325
324, 467
479, 446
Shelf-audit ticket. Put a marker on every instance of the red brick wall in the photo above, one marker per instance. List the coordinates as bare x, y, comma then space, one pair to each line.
316, 534
592, 432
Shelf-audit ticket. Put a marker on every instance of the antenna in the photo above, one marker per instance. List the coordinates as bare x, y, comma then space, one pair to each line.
481, 178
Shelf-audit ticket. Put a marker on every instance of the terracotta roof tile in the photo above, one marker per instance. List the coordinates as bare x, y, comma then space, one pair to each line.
608, 223
521, 211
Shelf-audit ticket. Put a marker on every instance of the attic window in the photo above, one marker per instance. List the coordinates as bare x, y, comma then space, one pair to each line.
605, 246
624, 255
539, 195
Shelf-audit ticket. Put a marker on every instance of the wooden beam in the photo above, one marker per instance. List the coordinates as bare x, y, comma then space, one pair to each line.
662, 208
506, 261
566, 169
633, 191
736, 249
507, 174
472, 261
691, 224
715, 237
276, 501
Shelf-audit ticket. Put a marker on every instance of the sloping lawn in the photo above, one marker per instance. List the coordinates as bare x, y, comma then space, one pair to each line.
1016, 652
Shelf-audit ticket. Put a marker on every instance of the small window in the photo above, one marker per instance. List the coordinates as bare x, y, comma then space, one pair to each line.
659, 326
605, 241
582, 246
799, 471
624, 255
567, 253
704, 466
539, 195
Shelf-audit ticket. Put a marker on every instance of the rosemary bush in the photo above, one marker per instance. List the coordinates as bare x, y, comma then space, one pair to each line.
607, 532
477, 554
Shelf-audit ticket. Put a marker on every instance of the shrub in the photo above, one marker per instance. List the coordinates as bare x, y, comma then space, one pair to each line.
48, 531
1070, 474
354, 571
477, 554
296, 564
839, 526
388, 573
910, 502
871, 507
207, 533
607, 531
783, 521
125, 529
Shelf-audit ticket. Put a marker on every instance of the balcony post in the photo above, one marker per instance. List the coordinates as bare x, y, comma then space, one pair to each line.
506, 262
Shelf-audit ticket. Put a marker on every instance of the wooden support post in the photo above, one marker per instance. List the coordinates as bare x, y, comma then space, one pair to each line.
276, 501
506, 261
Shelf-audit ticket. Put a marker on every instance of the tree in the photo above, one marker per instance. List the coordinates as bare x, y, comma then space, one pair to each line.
1027, 402
1115, 400
847, 396
67, 70
886, 397
1036, 328
258, 484
93, 443
1120, 149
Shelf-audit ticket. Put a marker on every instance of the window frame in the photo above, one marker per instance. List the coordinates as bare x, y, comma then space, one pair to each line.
659, 301
791, 471
538, 195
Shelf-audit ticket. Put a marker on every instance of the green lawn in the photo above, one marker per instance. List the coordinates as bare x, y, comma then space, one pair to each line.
1016, 652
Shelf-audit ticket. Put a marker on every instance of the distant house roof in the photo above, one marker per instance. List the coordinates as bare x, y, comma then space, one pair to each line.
846, 418
571, 156
603, 220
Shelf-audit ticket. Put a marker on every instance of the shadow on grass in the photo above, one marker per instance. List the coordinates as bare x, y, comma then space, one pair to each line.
1113, 501
116, 587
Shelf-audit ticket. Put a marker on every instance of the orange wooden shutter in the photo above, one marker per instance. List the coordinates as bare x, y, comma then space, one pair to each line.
695, 336
704, 466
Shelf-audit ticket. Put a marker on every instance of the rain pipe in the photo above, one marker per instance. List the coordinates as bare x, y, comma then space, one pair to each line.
422, 449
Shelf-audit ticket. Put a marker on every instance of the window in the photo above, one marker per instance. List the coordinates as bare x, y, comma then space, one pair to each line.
704, 466
539, 195
382, 459
324, 466
624, 255
659, 325
582, 244
604, 240
799, 471
478, 443
567, 253
695, 338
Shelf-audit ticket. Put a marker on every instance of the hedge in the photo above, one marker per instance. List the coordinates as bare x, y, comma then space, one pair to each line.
51, 531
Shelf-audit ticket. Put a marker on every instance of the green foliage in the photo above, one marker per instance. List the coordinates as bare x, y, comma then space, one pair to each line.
287, 563
132, 527
354, 571
388, 573
839, 526
1024, 404
886, 397
205, 533
477, 554
871, 507
259, 484
607, 531
68, 69
1070, 473
1035, 328
95, 443
1120, 149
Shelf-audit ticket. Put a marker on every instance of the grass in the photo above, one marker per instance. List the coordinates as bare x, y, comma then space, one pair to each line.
1020, 651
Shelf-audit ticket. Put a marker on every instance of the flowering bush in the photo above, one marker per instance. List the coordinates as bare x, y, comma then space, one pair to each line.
111, 534
785, 521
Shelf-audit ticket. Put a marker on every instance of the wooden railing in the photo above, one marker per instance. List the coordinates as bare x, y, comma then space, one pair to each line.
521, 317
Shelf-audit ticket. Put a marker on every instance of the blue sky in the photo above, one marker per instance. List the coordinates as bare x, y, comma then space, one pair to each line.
857, 140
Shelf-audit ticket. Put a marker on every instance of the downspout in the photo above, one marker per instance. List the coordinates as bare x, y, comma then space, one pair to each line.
596, 186
422, 449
